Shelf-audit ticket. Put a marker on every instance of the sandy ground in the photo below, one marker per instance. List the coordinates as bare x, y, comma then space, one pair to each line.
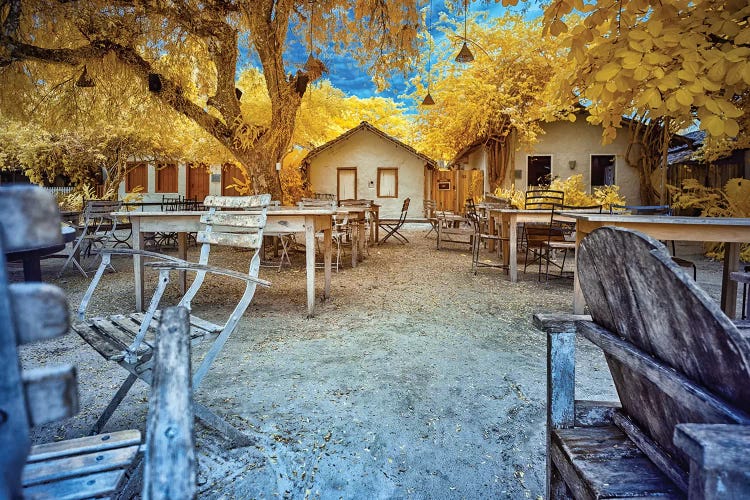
417, 379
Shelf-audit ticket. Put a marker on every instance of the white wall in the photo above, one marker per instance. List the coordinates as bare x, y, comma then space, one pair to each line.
367, 151
577, 141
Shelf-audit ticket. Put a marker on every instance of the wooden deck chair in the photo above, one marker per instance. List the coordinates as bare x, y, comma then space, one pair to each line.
91, 466
128, 339
392, 227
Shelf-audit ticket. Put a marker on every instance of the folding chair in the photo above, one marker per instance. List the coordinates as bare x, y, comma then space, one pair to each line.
430, 206
128, 339
91, 466
99, 226
561, 235
392, 228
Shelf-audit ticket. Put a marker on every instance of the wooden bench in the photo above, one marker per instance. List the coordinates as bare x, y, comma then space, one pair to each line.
91, 466
682, 373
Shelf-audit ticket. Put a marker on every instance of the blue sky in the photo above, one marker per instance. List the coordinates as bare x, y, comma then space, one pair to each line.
346, 75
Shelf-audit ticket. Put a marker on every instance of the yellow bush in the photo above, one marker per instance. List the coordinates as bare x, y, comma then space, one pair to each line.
575, 193
731, 201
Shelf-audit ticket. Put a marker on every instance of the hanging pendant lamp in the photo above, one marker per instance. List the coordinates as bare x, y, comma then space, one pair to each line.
465, 55
428, 100
85, 80
311, 62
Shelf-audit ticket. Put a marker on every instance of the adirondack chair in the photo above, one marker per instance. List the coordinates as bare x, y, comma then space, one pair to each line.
91, 466
127, 339
682, 372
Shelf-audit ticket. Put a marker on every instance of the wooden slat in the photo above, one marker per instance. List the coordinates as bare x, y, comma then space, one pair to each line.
250, 221
104, 346
110, 330
30, 217
77, 488
652, 450
672, 384
133, 325
51, 393
87, 444
601, 462
199, 326
242, 240
257, 201
61, 468
28, 301
169, 471
595, 413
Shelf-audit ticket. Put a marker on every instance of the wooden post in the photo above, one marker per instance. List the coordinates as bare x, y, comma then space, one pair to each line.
170, 456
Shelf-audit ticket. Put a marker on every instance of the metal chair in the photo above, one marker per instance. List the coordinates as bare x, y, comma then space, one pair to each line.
480, 237
561, 235
392, 227
98, 229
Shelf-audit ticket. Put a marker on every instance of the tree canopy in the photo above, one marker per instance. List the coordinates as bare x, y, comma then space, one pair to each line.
186, 56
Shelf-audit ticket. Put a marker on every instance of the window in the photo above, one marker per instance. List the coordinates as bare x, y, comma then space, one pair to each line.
346, 179
539, 170
166, 178
137, 176
387, 183
602, 170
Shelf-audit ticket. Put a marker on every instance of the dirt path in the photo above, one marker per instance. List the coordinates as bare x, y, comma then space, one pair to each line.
416, 380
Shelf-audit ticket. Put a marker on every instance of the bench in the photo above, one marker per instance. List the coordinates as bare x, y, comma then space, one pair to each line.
682, 373
92, 466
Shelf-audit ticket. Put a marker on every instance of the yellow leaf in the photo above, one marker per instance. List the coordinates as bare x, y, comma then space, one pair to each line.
640, 73
631, 60
654, 27
746, 73
557, 27
728, 109
608, 71
713, 125
684, 97
731, 128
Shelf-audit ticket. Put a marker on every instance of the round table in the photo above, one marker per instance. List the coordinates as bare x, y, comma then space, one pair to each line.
31, 257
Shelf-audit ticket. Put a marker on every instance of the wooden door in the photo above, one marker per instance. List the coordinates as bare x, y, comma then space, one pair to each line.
229, 172
346, 185
198, 178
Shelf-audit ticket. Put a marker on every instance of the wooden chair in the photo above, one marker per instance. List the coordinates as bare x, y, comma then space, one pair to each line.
99, 226
561, 236
392, 227
91, 466
533, 237
744, 278
543, 199
665, 210
128, 339
430, 207
479, 238
682, 372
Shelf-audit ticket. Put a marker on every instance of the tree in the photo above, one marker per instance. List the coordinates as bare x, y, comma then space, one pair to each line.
507, 88
187, 53
668, 60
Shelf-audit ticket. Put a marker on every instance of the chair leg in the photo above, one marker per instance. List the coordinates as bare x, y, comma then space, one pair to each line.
212, 420
113, 404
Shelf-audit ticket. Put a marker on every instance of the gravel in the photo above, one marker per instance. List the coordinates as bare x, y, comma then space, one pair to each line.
417, 379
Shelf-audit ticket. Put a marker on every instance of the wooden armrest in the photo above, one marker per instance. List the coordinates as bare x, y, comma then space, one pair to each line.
189, 266
558, 322
143, 253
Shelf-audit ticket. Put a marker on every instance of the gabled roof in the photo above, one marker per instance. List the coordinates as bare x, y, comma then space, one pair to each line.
366, 126
472, 147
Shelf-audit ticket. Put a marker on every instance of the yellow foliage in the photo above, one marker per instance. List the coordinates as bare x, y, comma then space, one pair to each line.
731, 201
576, 195
514, 196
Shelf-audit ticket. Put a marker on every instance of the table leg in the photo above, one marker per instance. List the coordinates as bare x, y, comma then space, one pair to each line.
513, 249
361, 243
579, 303
138, 243
32, 269
729, 286
182, 254
491, 230
310, 261
355, 244
327, 258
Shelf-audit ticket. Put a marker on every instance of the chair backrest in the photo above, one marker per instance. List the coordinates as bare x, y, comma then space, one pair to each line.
429, 208
355, 203
471, 208
673, 354
404, 210
543, 199
314, 202
641, 209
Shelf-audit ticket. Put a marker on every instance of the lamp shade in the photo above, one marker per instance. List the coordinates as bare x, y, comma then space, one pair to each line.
464, 55
85, 80
428, 100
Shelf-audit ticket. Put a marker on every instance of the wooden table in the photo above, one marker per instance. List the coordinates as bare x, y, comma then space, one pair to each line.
280, 220
357, 220
31, 257
509, 219
731, 231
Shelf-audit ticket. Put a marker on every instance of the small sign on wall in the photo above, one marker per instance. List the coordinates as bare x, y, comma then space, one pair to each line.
215, 177
444, 185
